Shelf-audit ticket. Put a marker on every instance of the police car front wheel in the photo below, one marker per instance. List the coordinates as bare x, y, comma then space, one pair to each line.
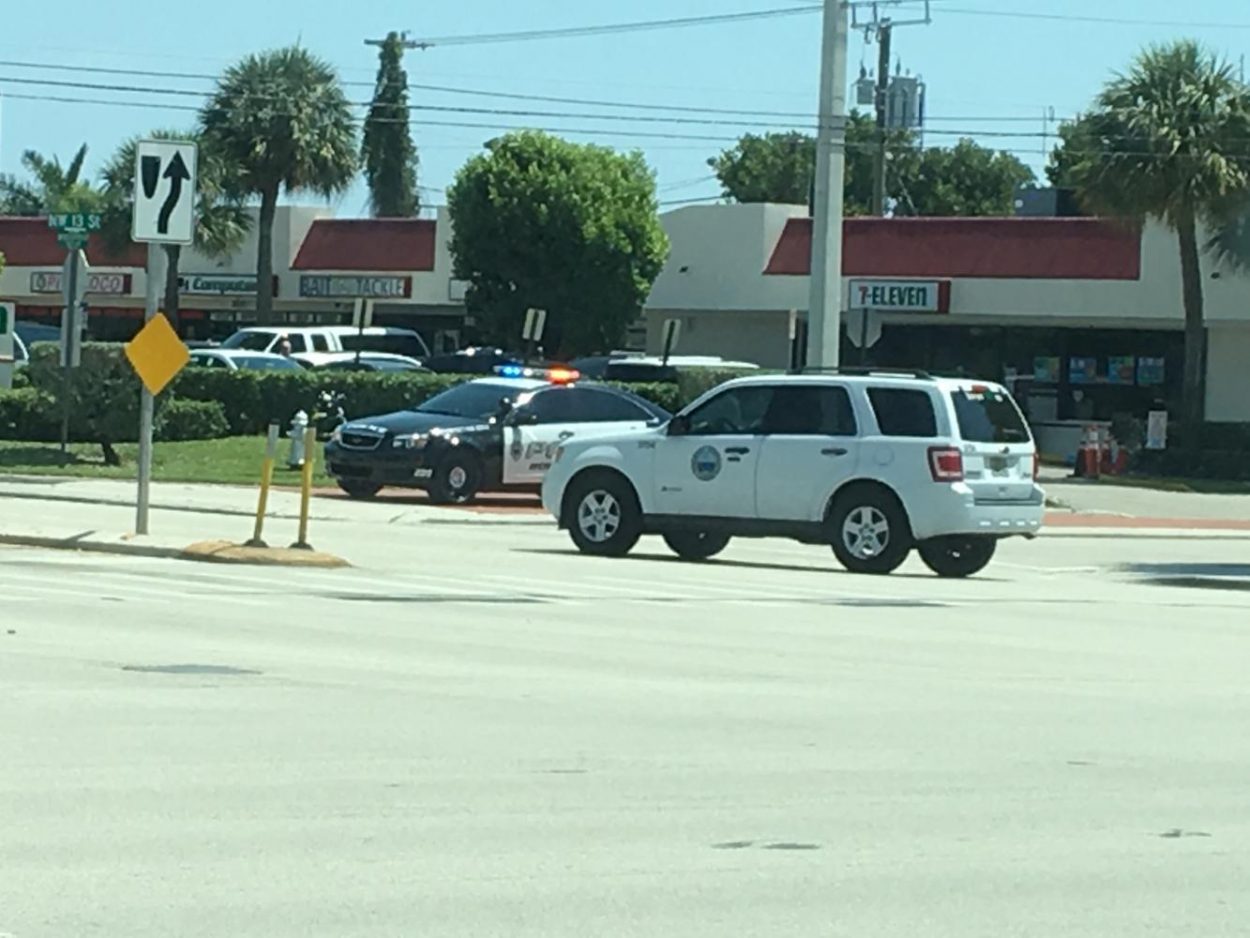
696, 545
456, 480
605, 519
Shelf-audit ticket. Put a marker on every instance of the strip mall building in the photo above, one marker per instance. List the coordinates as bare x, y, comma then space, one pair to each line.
1083, 316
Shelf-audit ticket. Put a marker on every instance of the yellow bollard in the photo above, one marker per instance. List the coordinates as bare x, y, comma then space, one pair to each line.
305, 495
266, 478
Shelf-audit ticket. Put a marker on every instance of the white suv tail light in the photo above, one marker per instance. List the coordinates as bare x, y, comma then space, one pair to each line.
946, 463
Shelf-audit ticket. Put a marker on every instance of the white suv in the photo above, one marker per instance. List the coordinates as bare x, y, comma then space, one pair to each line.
872, 463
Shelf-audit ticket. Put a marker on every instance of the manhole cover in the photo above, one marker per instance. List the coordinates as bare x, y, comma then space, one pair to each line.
216, 669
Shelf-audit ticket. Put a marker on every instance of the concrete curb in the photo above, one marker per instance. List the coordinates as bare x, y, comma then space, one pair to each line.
156, 506
222, 552
85, 544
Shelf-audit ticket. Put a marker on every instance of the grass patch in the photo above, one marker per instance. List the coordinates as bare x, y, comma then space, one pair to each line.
1172, 484
232, 461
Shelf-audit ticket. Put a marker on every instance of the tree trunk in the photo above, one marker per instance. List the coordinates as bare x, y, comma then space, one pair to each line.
1195, 330
173, 254
111, 458
264, 258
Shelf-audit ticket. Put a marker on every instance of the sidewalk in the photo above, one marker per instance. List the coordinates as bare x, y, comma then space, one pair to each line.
1091, 504
100, 515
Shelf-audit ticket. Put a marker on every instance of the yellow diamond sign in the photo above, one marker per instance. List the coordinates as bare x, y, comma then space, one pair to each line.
157, 354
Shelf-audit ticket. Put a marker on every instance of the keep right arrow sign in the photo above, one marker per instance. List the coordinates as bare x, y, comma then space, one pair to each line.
164, 197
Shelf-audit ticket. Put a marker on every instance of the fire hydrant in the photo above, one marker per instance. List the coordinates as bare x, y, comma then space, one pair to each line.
296, 434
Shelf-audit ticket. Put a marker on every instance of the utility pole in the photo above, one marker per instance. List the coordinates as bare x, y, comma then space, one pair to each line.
824, 311
824, 317
885, 33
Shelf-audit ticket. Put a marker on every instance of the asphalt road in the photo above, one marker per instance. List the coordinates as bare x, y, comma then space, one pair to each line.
563, 746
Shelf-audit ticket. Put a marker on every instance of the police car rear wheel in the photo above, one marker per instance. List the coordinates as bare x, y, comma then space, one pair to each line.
870, 532
696, 545
606, 520
456, 480
956, 557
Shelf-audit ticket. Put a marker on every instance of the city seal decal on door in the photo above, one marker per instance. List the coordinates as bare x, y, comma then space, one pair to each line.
705, 463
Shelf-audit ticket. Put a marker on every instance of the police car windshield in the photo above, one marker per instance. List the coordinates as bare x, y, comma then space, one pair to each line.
468, 400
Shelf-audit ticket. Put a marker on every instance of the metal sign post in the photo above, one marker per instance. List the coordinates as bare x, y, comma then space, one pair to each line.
532, 331
164, 213
8, 350
74, 278
672, 332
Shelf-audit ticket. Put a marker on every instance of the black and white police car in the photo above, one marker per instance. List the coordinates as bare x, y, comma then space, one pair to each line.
488, 435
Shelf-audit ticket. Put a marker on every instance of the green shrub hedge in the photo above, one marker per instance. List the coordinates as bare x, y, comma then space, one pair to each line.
203, 403
29, 414
192, 420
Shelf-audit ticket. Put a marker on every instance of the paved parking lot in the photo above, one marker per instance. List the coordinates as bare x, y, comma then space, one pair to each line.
482, 733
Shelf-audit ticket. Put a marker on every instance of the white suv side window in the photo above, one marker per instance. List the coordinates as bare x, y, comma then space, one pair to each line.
737, 411
904, 412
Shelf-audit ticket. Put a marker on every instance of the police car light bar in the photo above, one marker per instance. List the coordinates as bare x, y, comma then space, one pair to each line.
554, 375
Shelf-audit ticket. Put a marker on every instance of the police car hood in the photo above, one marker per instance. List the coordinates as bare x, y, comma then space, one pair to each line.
414, 421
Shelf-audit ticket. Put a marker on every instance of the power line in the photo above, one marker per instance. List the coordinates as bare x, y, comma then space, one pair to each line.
567, 32
1099, 20
475, 92
501, 112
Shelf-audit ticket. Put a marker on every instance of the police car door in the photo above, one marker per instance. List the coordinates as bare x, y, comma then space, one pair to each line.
709, 467
550, 416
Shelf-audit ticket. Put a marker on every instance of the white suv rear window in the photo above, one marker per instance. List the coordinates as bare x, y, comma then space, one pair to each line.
988, 416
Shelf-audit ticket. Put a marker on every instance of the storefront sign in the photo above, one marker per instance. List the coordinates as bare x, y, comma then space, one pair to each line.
1082, 370
901, 296
1121, 369
104, 284
348, 287
1150, 371
1046, 369
1157, 429
218, 284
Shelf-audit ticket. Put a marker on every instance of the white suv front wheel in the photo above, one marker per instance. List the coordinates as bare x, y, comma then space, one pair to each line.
869, 530
602, 514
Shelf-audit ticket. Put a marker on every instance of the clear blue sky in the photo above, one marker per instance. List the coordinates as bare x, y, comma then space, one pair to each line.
977, 66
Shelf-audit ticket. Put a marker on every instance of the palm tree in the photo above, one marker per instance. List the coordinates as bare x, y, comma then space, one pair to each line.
55, 188
280, 120
1169, 139
222, 221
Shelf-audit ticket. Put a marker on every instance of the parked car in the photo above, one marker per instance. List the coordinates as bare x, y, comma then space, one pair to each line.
489, 434
472, 361
26, 334
360, 361
655, 369
873, 464
306, 340
235, 360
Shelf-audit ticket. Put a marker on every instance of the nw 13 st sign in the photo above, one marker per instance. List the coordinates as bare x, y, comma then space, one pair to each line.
164, 211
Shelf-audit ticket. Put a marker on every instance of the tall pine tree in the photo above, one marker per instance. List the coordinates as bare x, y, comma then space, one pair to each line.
390, 157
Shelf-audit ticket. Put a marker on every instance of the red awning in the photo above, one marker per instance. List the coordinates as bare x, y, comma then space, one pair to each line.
1006, 248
